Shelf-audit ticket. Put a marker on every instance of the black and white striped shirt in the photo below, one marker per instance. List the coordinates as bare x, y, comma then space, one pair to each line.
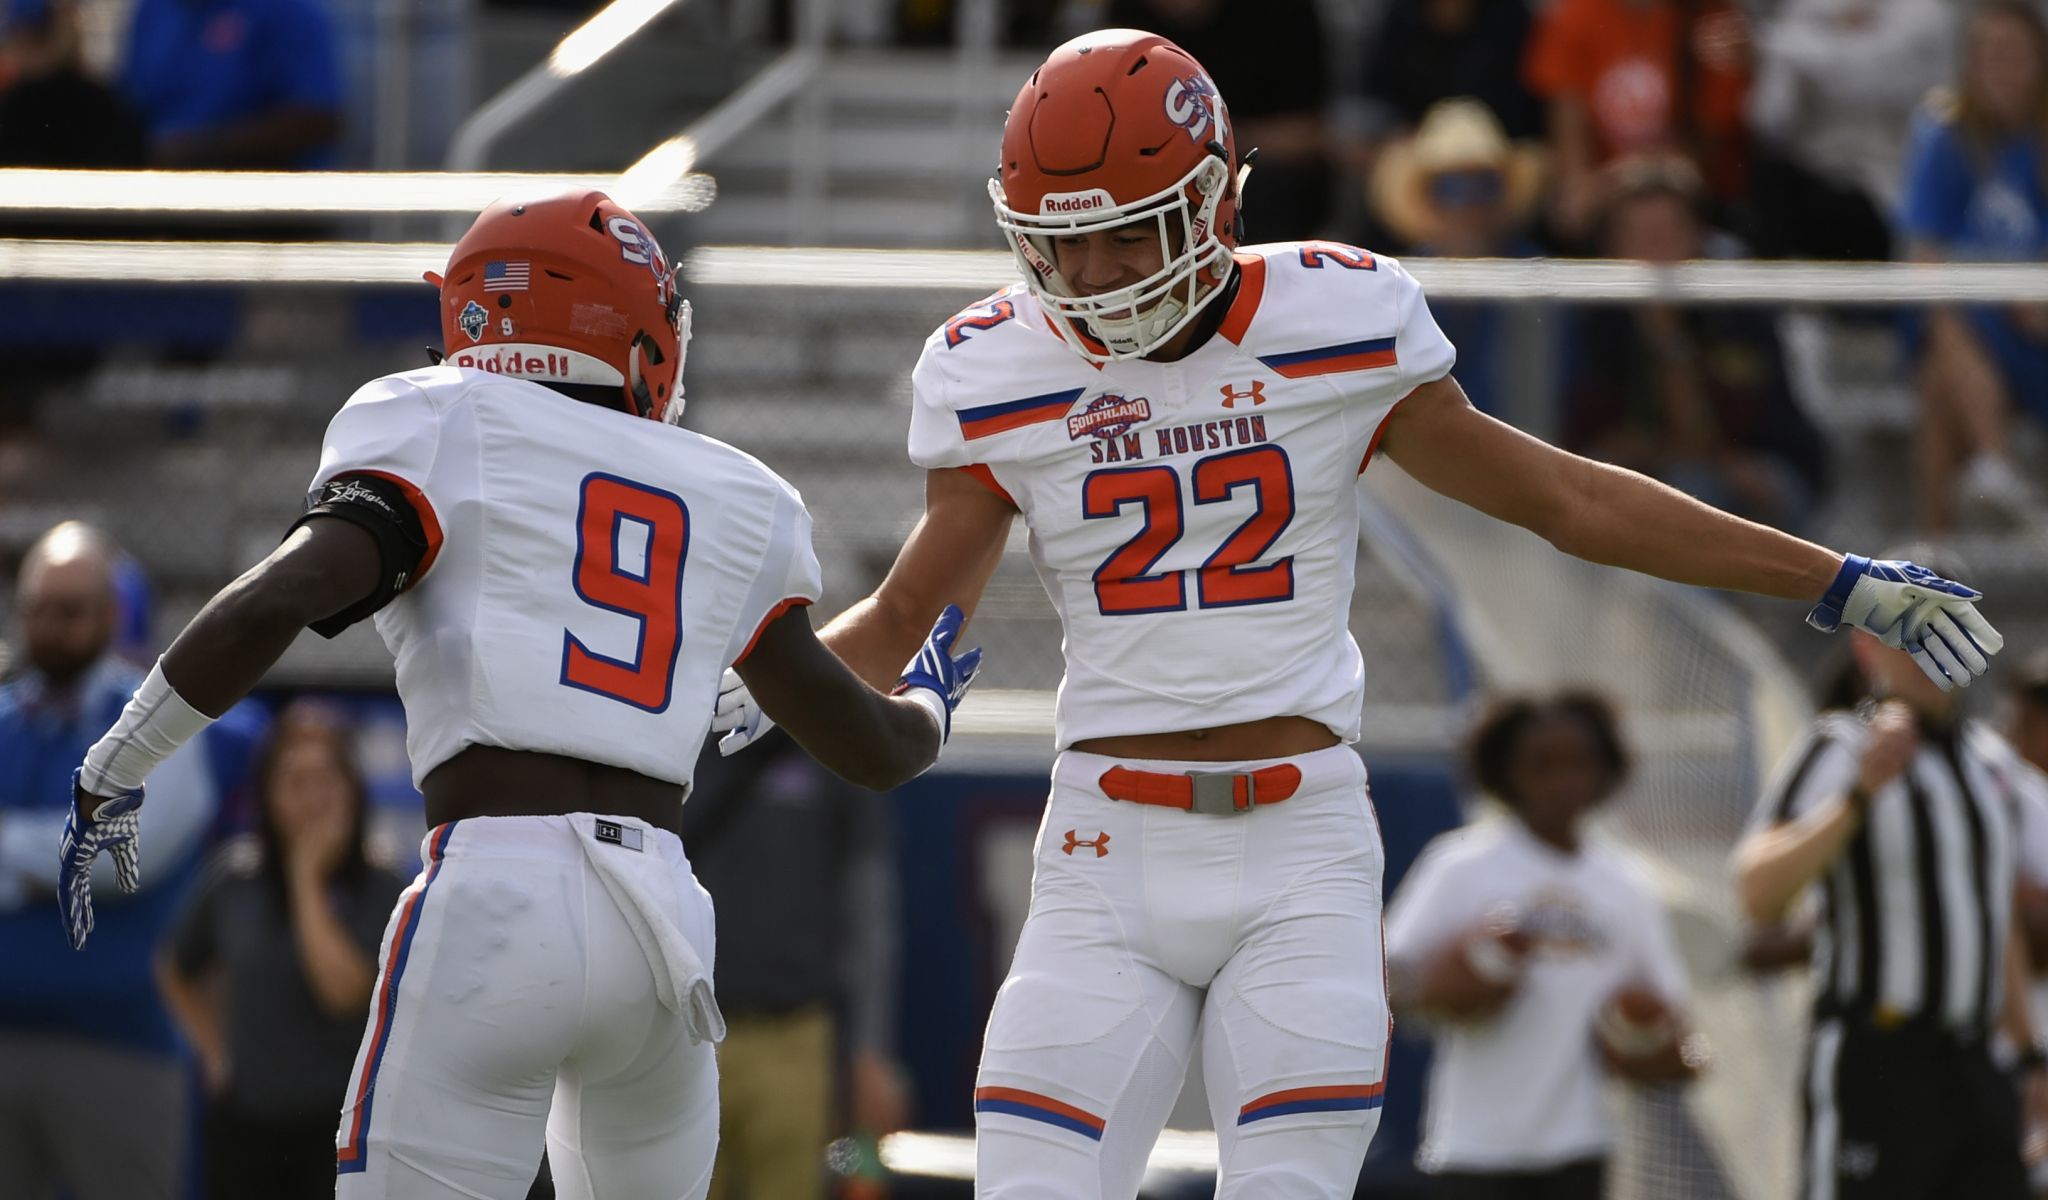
1914, 910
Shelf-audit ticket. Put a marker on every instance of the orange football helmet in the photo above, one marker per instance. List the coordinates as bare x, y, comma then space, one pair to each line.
1118, 126
569, 288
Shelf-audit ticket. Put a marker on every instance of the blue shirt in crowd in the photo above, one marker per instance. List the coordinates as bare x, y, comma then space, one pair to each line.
201, 64
107, 991
1980, 204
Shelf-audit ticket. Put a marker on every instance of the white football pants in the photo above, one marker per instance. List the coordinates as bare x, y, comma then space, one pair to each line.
534, 988
1258, 931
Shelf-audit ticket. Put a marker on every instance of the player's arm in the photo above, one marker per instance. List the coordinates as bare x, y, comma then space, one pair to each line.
1609, 515
1601, 513
867, 738
323, 567
328, 572
947, 559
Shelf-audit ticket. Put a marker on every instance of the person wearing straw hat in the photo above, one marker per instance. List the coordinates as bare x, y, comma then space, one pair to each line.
1459, 187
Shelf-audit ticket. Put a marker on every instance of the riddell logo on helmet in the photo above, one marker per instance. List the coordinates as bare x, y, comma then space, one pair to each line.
498, 362
1059, 204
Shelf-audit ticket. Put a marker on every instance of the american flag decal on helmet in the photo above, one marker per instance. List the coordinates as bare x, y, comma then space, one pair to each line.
507, 276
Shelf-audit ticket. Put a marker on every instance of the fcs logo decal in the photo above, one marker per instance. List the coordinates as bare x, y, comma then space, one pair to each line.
472, 320
1189, 100
1256, 393
1099, 843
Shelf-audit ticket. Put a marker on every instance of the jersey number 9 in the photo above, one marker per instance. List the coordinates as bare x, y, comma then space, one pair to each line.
630, 544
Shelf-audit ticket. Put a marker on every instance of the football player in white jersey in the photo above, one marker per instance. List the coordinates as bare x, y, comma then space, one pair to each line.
562, 575
1181, 422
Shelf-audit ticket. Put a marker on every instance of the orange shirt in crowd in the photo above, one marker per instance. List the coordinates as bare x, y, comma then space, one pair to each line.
1619, 59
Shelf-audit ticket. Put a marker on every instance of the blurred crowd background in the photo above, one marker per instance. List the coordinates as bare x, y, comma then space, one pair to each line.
861, 937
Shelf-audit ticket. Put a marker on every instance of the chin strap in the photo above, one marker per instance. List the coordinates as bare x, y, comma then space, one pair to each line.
1244, 172
636, 387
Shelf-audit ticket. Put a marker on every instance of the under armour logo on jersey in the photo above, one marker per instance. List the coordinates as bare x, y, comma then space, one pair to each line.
1099, 843
1256, 393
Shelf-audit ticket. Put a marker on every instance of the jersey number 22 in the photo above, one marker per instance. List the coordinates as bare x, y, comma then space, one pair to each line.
621, 526
1124, 585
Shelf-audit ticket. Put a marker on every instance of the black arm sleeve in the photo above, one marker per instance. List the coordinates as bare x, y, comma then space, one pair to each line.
377, 505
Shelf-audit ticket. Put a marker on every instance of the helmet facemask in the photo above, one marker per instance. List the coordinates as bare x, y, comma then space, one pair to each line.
1155, 308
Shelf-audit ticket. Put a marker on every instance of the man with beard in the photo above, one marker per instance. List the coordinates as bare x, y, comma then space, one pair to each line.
92, 1096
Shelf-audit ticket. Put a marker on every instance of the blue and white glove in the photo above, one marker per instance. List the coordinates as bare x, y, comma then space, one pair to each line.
935, 678
737, 716
1911, 608
115, 827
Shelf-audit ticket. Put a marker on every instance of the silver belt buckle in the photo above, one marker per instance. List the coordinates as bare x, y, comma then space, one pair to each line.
1215, 793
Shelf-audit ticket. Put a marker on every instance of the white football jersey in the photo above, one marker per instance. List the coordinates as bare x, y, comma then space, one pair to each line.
1194, 522
589, 573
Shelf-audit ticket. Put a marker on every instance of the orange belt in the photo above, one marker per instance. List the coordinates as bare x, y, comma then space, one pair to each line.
1214, 792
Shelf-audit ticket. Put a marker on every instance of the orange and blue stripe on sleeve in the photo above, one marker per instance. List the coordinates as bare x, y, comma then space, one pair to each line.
1330, 360
1017, 1102
1350, 1097
352, 1156
988, 419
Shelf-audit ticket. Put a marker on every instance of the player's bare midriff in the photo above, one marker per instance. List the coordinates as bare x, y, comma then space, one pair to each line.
1268, 737
487, 781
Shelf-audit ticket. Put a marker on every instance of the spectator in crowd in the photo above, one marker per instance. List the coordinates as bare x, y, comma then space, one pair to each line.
1267, 55
1632, 77
1836, 85
226, 84
1424, 52
1697, 397
1544, 955
800, 867
53, 113
268, 971
1460, 189
1975, 191
92, 1094
1903, 816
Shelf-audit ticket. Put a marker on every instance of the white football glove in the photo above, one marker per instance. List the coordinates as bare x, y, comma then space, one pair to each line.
1911, 608
115, 828
737, 716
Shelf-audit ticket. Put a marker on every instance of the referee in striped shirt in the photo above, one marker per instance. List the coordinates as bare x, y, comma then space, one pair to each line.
1907, 826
